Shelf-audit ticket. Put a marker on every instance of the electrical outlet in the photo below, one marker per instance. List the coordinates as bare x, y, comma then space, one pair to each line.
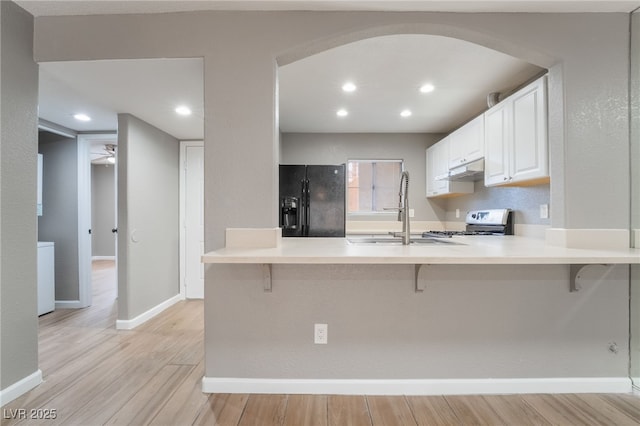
320, 334
457, 213
544, 211
412, 212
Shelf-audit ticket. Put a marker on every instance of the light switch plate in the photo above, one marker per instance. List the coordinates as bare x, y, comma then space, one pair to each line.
544, 211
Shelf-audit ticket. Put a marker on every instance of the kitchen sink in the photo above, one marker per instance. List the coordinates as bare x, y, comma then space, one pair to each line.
393, 241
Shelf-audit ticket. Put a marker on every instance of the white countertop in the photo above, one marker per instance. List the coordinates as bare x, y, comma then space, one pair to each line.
495, 250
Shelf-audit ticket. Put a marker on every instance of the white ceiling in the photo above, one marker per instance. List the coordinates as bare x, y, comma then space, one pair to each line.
387, 70
98, 7
150, 89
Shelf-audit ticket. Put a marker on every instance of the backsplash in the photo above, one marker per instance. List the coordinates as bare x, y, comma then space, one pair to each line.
525, 201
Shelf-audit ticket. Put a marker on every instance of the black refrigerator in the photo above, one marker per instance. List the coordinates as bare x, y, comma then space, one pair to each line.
312, 200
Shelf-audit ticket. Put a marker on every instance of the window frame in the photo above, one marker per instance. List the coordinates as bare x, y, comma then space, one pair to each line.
372, 160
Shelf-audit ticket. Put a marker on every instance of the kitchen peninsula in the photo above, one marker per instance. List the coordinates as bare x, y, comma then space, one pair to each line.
500, 309
485, 250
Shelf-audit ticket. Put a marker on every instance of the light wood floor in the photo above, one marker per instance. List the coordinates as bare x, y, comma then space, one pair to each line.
95, 375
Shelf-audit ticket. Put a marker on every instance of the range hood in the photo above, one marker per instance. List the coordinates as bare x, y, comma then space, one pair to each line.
469, 172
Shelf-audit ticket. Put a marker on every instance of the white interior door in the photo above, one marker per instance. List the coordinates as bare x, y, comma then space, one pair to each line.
193, 190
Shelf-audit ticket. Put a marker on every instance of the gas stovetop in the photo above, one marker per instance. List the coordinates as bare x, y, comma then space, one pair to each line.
481, 222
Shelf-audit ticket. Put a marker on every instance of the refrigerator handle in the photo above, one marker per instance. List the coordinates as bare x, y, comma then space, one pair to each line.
303, 208
307, 206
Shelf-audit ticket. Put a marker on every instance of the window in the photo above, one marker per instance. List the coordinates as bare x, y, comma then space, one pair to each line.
373, 185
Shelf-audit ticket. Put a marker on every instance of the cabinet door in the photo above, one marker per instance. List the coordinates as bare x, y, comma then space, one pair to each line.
457, 147
441, 152
430, 184
467, 143
528, 155
435, 168
474, 141
441, 166
496, 142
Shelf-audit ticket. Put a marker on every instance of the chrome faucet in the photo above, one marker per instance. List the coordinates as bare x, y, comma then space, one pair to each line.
403, 209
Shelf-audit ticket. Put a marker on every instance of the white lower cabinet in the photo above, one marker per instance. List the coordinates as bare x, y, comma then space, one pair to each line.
437, 161
516, 145
46, 278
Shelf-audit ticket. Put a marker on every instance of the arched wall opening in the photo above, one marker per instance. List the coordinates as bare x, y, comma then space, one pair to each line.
508, 47
435, 209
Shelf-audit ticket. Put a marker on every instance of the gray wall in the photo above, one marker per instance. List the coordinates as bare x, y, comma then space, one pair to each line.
148, 216
59, 220
331, 148
634, 158
513, 321
635, 193
588, 98
18, 154
589, 145
103, 210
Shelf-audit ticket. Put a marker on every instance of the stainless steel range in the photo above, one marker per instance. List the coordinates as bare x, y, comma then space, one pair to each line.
482, 222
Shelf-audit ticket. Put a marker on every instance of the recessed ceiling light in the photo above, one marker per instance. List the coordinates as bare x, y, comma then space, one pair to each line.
349, 87
183, 110
426, 88
405, 113
82, 117
342, 113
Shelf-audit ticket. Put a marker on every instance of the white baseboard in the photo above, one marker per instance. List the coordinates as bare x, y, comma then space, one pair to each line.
418, 387
20, 388
103, 258
69, 304
146, 316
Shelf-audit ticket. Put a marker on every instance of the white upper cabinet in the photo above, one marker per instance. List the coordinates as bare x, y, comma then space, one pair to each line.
437, 161
437, 167
529, 157
467, 143
496, 154
516, 146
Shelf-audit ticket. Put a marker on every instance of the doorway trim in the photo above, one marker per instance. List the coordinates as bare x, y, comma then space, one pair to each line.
183, 222
84, 213
84, 252
84, 220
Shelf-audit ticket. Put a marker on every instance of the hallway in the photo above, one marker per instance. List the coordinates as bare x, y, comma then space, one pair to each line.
95, 374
